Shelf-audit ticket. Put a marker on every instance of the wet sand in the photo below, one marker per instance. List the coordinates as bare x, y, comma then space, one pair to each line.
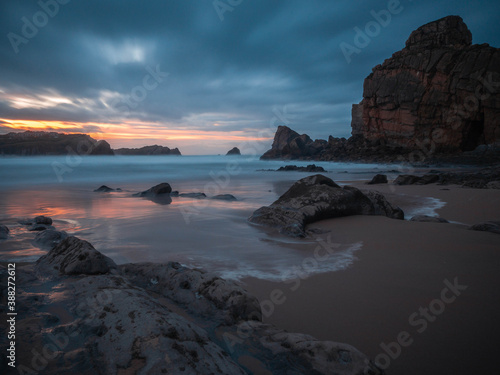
395, 288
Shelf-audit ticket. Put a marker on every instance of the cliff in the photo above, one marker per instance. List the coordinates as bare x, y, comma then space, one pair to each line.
51, 143
148, 150
436, 99
439, 91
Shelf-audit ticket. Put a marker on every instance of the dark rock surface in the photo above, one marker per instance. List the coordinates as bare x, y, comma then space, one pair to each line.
43, 220
51, 143
154, 319
316, 198
193, 195
234, 151
4, 232
378, 179
312, 168
38, 223
148, 150
73, 256
160, 189
488, 226
428, 219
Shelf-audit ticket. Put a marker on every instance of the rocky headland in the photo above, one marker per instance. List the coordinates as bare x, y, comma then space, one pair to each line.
435, 100
52, 143
148, 150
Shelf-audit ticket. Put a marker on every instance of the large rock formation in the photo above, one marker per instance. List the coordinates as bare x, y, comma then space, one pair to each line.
437, 97
440, 92
45, 143
148, 150
152, 319
234, 151
317, 198
289, 144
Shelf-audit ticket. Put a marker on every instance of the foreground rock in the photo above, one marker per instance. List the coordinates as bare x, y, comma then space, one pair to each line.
293, 168
4, 232
317, 198
73, 256
154, 319
489, 226
406, 179
234, 151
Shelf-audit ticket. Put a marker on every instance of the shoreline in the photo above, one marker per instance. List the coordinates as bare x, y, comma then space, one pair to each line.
402, 267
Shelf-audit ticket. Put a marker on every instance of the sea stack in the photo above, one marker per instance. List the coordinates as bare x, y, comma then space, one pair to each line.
234, 151
438, 91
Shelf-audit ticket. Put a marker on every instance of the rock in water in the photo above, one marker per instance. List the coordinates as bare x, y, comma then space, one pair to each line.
312, 168
378, 179
4, 232
73, 256
234, 151
47, 239
413, 99
316, 198
43, 220
160, 189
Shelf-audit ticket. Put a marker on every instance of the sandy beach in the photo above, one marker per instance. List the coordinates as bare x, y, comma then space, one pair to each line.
433, 286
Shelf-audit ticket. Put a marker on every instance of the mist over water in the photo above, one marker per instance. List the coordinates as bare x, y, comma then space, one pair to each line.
213, 234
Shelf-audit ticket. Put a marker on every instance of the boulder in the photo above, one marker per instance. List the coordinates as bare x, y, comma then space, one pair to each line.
234, 151
4, 232
160, 189
316, 198
73, 256
488, 226
428, 219
43, 220
378, 179
47, 239
193, 195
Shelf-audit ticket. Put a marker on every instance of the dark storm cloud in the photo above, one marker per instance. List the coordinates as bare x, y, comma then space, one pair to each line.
262, 55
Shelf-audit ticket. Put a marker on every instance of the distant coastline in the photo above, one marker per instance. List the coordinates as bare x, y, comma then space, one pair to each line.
35, 143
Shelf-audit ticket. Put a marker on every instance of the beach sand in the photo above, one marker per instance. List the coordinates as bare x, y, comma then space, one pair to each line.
403, 267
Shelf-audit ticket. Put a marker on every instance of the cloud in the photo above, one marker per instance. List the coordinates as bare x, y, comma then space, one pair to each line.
90, 62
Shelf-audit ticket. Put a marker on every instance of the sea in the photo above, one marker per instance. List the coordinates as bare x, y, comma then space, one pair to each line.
206, 233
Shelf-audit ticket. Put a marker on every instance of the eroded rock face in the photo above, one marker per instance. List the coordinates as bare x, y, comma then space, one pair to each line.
154, 319
439, 93
234, 151
73, 256
317, 198
288, 144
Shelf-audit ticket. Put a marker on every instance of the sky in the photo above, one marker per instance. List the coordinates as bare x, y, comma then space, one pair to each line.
203, 75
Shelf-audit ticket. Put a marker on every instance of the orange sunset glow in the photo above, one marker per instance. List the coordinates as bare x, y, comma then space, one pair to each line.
129, 131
